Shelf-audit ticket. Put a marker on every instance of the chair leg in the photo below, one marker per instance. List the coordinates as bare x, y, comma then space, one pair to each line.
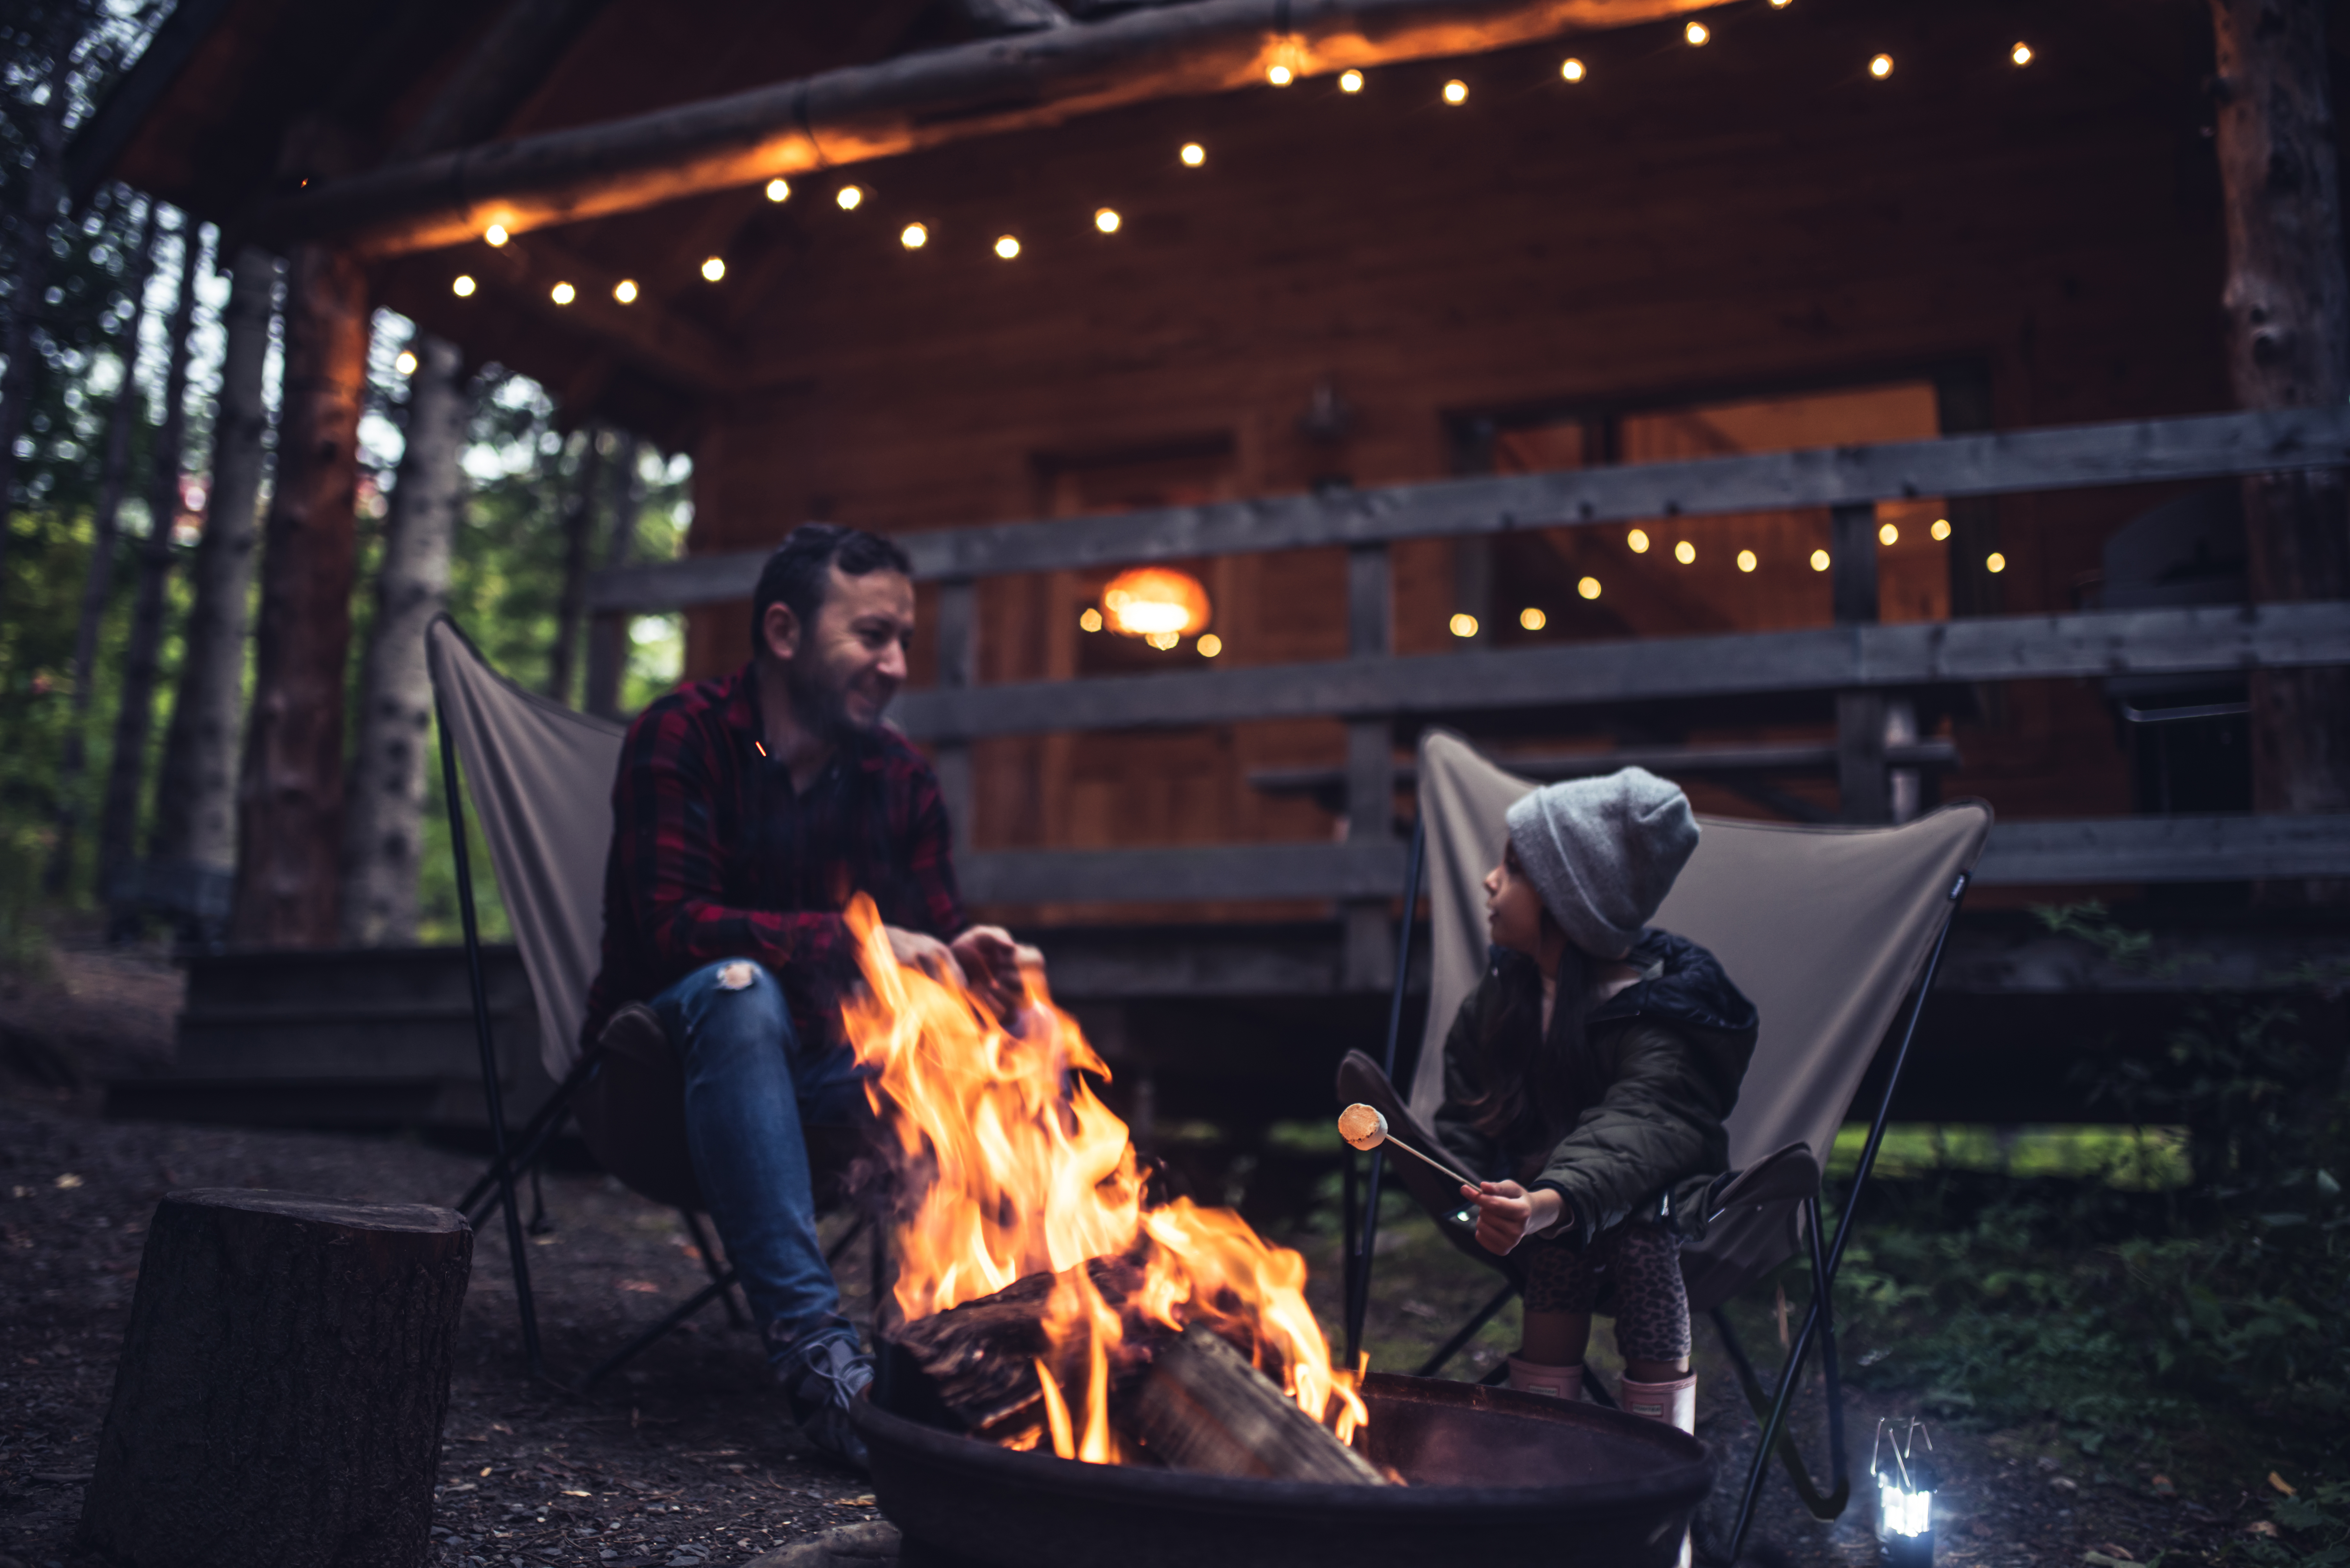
735, 1315
645, 1340
1451, 1347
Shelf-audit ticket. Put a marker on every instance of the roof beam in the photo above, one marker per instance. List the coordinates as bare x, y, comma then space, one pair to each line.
862, 112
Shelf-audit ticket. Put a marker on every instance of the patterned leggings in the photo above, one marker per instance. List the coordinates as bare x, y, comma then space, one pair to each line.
1642, 1261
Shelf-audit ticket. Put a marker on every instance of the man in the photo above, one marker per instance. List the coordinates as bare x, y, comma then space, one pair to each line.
746, 813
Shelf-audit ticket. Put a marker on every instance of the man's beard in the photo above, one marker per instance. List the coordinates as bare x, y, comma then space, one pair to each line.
820, 704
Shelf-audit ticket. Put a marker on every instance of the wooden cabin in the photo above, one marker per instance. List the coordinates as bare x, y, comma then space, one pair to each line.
1000, 263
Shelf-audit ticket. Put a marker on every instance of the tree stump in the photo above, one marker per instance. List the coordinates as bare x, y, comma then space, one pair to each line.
279, 1398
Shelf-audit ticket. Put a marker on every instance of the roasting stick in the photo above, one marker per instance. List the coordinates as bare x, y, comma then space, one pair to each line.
1365, 1128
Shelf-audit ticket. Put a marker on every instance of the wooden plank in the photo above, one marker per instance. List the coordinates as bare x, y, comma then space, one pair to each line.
1669, 762
2058, 457
2004, 647
2167, 849
902, 105
1207, 871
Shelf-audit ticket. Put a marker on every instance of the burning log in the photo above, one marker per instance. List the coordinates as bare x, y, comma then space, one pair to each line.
1204, 1407
980, 1358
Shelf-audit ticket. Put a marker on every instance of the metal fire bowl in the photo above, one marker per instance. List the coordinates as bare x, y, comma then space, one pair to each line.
1496, 1478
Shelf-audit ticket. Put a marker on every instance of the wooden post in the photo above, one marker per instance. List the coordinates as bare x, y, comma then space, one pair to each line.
282, 1385
958, 634
290, 791
1369, 954
1860, 714
2287, 304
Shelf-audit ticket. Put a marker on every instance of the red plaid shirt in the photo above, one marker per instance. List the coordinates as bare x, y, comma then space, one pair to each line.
715, 855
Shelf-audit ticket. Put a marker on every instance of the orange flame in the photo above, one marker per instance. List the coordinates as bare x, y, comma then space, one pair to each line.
1019, 1168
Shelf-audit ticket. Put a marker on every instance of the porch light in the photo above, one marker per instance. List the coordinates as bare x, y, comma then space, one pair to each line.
1351, 81
1905, 1497
2021, 54
1638, 539
1572, 70
1778, 4
1746, 561
779, 190
625, 291
1685, 553
1941, 528
848, 197
1697, 33
1881, 66
1007, 246
1531, 618
914, 236
496, 233
405, 364
1210, 645
1106, 220
1888, 535
1995, 562
1155, 601
1456, 92
462, 286
1192, 155
1280, 75
714, 268
563, 293
1588, 587
1089, 620
1463, 624
1819, 560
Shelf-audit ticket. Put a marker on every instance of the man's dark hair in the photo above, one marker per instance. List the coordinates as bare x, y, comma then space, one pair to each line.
799, 573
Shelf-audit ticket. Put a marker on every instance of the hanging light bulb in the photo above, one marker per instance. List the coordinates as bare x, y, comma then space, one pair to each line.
1819, 560
1941, 528
1280, 75
1106, 220
1881, 66
1747, 561
1456, 92
563, 293
1572, 69
1778, 4
1210, 645
714, 268
914, 236
1155, 601
1089, 620
1007, 246
1685, 553
1588, 587
1888, 535
1638, 539
2021, 54
625, 291
1463, 624
1698, 34
779, 190
1533, 619
1162, 640
462, 286
496, 233
1351, 81
1192, 155
1995, 562
849, 196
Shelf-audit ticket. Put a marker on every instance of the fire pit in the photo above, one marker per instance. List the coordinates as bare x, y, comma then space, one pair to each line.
1496, 1478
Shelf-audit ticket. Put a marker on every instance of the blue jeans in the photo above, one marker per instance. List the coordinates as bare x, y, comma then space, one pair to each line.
750, 1089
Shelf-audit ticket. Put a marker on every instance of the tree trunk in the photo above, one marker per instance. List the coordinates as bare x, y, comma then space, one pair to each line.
2287, 304
195, 793
134, 718
607, 634
44, 188
578, 530
97, 579
290, 788
384, 822
282, 1385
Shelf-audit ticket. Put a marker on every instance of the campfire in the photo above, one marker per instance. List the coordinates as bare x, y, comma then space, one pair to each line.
1046, 1299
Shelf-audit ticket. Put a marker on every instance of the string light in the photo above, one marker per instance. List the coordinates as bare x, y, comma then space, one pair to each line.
1351, 81
1995, 562
714, 268
1007, 246
1280, 75
1456, 92
1881, 66
1697, 33
1888, 535
1638, 539
1819, 560
1192, 155
563, 293
496, 233
1746, 561
1572, 69
1089, 620
625, 291
1685, 553
1778, 4
1211, 644
1533, 619
1463, 624
2021, 54
1588, 587
913, 237
405, 364
1162, 640
1941, 528
462, 286
779, 190
849, 196
1106, 220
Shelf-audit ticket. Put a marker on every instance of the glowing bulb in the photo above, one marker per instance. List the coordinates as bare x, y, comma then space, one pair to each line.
1089, 620
1888, 535
1192, 155
2021, 54
625, 291
914, 236
1881, 66
1588, 587
1697, 33
1995, 562
1572, 70
1456, 92
1007, 246
1531, 618
1106, 220
461, 287
1162, 640
1638, 539
1351, 81
779, 190
1211, 644
1819, 560
714, 268
1685, 553
1280, 75
563, 293
1778, 4
1746, 561
496, 233
1941, 528
849, 196
1463, 624
405, 364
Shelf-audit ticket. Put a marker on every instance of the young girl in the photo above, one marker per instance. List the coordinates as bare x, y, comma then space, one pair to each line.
1593, 1067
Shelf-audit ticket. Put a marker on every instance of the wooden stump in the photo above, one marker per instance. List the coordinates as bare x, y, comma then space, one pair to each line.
279, 1398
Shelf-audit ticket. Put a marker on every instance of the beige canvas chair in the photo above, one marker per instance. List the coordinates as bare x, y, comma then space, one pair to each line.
1826, 930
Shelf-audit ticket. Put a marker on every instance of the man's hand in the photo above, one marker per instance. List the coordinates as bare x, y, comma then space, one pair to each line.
932, 957
992, 959
1507, 1213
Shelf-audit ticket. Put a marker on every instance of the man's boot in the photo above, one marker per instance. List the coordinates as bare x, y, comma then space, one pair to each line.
821, 1373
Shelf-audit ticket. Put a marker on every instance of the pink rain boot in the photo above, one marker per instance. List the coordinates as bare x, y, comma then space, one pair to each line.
1558, 1382
1674, 1402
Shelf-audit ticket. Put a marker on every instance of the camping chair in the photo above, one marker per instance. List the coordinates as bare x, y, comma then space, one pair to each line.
1825, 929
542, 776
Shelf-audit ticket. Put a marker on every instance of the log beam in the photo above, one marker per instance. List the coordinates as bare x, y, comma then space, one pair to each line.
860, 113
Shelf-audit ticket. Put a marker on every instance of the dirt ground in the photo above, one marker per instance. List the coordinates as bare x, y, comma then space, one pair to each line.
687, 1457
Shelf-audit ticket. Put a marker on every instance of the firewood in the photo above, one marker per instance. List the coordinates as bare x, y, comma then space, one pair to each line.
1204, 1407
980, 1358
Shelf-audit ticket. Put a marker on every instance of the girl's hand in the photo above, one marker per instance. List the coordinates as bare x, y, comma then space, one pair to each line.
1507, 1213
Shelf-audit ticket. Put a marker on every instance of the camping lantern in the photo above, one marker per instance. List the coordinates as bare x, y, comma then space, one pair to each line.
1156, 604
1905, 1497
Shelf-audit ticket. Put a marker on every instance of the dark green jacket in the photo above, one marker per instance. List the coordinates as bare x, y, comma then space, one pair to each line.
1659, 1071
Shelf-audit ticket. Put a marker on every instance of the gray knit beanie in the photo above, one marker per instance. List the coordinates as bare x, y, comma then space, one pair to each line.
1603, 852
